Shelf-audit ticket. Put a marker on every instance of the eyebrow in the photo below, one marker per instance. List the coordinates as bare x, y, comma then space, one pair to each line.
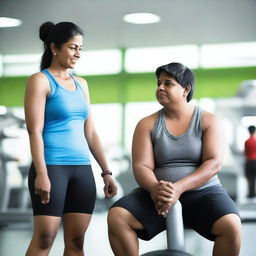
168, 79
76, 45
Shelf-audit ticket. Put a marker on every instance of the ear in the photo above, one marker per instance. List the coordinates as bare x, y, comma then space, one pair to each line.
188, 88
53, 48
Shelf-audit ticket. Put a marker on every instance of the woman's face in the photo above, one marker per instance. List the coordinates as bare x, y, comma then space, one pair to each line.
70, 52
168, 90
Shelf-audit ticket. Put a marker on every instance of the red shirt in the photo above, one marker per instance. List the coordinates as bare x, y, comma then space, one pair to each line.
250, 148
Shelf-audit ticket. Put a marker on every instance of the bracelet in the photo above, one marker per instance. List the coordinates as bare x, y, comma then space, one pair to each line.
105, 173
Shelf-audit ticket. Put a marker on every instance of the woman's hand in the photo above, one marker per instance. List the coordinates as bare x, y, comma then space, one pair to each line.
43, 187
164, 195
110, 188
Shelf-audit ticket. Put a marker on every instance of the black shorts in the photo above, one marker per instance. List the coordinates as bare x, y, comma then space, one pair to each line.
72, 190
200, 209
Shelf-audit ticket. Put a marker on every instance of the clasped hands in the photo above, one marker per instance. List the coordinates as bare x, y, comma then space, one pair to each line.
164, 195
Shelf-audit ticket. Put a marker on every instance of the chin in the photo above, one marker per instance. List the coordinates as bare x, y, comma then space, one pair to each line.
161, 102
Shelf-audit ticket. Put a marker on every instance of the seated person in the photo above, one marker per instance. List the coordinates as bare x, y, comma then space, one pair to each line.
176, 155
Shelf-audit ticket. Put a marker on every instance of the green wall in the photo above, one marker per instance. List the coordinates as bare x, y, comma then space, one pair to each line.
138, 87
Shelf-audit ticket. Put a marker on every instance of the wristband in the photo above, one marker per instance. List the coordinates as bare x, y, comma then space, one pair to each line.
105, 173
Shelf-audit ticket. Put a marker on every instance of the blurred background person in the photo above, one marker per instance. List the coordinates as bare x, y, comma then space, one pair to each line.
250, 161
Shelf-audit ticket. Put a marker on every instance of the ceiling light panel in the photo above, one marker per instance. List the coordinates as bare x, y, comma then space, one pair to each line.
141, 18
9, 22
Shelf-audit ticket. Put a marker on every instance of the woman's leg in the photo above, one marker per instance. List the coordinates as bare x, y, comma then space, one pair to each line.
121, 230
227, 230
78, 209
45, 230
75, 226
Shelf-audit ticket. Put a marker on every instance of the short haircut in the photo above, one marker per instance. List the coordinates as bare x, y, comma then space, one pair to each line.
182, 74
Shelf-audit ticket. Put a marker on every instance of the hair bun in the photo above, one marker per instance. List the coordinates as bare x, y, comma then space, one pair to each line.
45, 29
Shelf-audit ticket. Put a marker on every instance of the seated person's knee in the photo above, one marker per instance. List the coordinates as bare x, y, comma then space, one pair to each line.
116, 216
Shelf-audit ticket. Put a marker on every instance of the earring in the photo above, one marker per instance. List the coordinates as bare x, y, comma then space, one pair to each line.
55, 53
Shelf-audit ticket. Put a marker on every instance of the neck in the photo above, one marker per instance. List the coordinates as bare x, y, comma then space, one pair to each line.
178, 111
58, 71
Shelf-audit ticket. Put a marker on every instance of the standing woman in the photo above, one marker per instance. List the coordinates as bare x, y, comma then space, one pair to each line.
62, 135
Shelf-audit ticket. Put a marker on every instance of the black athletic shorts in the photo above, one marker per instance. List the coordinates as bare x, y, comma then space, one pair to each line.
200, 209
73, 190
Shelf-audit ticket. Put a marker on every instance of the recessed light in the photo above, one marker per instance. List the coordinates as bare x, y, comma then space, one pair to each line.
9, 22
141, 18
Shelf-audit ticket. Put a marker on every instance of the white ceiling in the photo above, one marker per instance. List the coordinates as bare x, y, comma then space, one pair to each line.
183, 22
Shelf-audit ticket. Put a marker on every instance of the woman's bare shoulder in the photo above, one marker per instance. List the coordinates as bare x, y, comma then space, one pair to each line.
209, 119
39, 77
148, 122
82, 82
38, 81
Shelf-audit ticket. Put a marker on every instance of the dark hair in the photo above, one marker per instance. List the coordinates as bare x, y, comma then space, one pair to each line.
57, 34
182, 74
251, 129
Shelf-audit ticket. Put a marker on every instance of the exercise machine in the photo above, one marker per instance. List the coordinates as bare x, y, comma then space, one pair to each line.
14, 207
175, 234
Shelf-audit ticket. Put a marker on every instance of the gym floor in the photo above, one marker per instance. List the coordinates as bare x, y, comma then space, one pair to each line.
14, 240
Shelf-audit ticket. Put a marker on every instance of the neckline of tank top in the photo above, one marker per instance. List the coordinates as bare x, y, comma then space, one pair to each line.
60, 86
187, 130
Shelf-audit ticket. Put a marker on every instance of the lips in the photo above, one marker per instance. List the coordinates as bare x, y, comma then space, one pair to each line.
74, 60
161, 95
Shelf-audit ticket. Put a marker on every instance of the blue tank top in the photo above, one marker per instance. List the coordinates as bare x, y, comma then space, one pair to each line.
63, 132
178, 156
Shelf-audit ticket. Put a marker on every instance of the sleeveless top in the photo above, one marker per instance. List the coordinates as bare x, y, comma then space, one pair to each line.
178, 156
63, 132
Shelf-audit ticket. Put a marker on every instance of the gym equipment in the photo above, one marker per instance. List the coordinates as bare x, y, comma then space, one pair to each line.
21, 212
175, 234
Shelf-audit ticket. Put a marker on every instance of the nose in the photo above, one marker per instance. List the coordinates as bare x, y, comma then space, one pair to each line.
161, 86
77, 53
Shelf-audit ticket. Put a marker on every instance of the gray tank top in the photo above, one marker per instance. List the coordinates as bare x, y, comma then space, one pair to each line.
178, 156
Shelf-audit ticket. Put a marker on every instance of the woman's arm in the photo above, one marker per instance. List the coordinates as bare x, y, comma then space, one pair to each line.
142, 154
35, 96
96, 148
212, 154
95, 143
143, 163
